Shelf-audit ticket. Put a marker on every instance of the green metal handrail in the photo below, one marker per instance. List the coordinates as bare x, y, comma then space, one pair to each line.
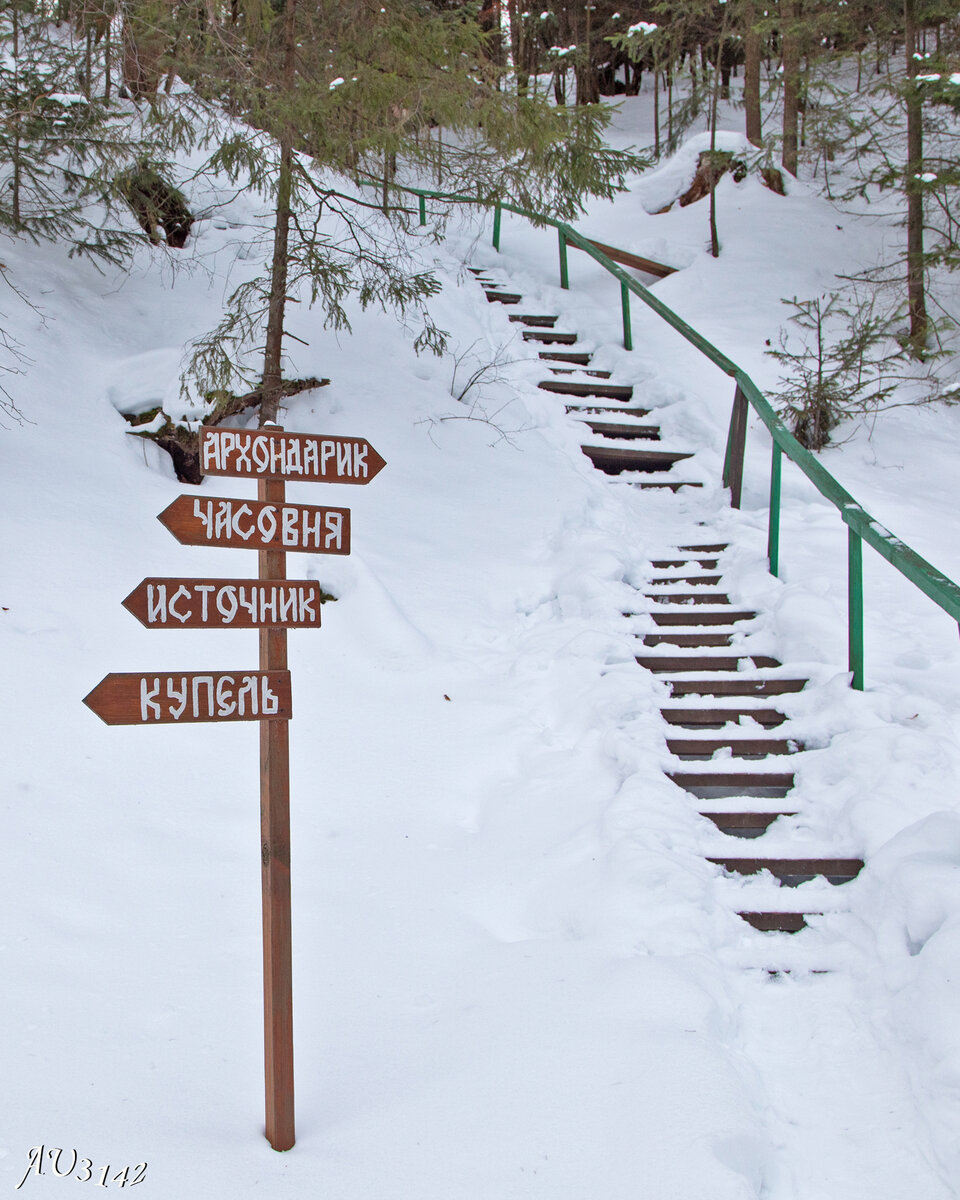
861, 527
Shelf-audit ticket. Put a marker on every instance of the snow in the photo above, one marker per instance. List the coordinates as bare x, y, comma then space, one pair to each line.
516, 974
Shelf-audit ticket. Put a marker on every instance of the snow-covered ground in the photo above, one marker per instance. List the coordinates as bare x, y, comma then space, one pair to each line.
516, 975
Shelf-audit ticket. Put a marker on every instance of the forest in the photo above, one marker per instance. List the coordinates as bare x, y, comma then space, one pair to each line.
326, 110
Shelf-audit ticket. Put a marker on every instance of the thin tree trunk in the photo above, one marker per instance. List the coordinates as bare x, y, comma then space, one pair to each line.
15, 198
656, 109
791, 82
273, 351
916, 300
714, 107
751, 79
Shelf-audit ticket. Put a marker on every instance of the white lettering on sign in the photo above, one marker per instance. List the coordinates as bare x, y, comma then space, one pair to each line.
296, 527
200, 698
226, 602
292, 456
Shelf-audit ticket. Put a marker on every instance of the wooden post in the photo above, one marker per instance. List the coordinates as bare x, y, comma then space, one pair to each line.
736, 444
275, 870
423, 210
497, 214
564, 272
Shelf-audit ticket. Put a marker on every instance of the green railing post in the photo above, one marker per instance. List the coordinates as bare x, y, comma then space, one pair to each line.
423, 210
773, 528
627, 328
497, 214
564, 275
855, 608
736, 444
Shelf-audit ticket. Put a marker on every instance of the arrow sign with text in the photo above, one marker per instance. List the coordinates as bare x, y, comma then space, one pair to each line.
269, 453
225, 603
185, 697
250, 525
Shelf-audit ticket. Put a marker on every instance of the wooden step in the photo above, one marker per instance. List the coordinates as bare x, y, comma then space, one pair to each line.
502, 297
567, 356
581, 371
728, 617
543, 321
714, 548
777, 922
745, 824
719, 717
582, 387
694, 640
613, 460
739, 747
650, 433
735, 687
671, 485
586, 410
702, 662
688, 597
693, 580
794, 871
699, 617
665, 564
712, 785
550, 336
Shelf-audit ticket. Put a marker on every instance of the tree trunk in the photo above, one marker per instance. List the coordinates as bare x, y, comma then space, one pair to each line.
791, 82
751, 78
273, 351
916, 300
15, 198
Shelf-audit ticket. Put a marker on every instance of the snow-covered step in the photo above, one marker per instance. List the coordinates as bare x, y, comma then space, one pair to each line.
661, 663
681, 616
720, 686
793, 871
624, 431
584, 387
579, 357
777, 922
596, 409
768, 785
661, 564
500, 297
549, 336
580, 371
702, 640
688, 597
615, 459
699, 580
714, 716
745, 824
706, 747
537, 320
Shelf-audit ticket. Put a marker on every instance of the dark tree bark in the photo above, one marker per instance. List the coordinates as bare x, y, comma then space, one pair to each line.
789, 13
751, 77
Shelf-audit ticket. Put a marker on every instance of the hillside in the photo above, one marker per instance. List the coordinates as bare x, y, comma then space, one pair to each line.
516, 975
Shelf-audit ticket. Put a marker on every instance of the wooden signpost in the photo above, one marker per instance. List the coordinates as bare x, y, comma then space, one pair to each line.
271, 604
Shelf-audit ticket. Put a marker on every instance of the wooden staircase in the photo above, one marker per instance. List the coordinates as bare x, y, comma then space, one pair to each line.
716, 709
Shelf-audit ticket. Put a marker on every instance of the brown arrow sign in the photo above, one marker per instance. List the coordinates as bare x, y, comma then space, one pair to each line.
185, 697
250, 525
225, 603
275, 454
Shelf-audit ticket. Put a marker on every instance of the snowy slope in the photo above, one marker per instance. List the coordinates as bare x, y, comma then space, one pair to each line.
515, 973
